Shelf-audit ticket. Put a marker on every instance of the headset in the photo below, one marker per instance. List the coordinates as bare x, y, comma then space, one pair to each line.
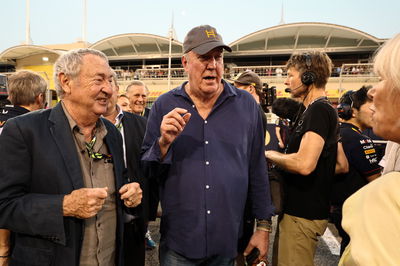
308, 77
345, 107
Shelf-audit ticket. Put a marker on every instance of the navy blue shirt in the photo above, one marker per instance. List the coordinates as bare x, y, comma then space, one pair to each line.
363, 162
208, 171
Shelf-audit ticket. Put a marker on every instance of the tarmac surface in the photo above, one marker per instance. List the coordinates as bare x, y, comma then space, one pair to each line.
327, 253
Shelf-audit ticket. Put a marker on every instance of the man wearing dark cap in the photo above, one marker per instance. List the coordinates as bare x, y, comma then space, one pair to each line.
204, 143
251, 82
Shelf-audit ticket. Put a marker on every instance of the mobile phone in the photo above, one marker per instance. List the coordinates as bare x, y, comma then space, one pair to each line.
252, 257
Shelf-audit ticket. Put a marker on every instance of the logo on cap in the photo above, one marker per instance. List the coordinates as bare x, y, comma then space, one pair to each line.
210, 33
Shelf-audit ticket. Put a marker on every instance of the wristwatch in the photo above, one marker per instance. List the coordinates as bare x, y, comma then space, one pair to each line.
264, 225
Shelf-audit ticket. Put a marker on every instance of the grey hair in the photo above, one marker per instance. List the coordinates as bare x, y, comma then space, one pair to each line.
137, 83
70, 64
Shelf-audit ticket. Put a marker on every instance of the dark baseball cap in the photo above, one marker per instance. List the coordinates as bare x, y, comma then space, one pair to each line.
203, 39
249, 78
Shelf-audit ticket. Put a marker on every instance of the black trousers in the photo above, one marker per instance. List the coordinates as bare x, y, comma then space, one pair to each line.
134, 247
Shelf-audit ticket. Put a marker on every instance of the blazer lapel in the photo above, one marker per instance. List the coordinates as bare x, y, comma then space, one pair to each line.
62, 135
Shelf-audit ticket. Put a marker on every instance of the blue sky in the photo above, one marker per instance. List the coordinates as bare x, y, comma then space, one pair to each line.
56, 21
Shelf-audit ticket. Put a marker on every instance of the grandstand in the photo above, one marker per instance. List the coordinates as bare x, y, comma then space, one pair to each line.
145, 56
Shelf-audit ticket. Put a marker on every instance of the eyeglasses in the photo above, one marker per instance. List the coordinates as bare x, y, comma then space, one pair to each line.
97, 155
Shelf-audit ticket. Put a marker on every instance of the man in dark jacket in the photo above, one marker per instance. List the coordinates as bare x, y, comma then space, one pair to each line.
132, 128
62, 184
27, 92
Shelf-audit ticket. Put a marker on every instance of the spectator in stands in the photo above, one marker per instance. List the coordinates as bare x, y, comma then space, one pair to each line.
137, 93
27, 92
309, 161
62, 173
278, 72
207, 165
354, 110
123, 102
371, 216
132, 128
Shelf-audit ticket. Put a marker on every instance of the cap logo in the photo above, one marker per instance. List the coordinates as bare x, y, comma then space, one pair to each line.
210, 33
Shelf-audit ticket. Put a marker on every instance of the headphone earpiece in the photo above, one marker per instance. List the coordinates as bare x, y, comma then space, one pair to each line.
308, 77
345, 107
345, 111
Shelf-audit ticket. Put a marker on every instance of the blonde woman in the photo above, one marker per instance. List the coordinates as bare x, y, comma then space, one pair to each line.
372, 215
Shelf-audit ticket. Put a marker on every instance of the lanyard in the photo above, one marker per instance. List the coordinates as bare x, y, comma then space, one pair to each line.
96, 155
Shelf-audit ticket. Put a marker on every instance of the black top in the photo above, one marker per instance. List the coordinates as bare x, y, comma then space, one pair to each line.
308, 196
10, 111
264, 120
363, 162
146, 112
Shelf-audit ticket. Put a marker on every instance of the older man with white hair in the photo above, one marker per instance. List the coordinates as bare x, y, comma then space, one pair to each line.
63, 190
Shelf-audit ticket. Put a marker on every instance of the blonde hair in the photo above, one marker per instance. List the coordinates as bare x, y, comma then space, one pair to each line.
387, 62
24, 86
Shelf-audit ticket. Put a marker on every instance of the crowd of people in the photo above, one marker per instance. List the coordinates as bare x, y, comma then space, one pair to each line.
80, 182
262, 71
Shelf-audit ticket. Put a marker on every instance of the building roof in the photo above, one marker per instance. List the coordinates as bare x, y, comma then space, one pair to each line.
287, 38
137, 45
22, 51
281, 40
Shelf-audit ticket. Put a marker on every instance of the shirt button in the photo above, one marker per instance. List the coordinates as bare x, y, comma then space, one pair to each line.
208, 212
207, 162
206, 142
207, 186
193, 106
205, 121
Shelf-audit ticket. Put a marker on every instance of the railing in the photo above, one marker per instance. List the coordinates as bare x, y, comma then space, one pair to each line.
262, 71
275, 71
161, 73
360, 70
346, 70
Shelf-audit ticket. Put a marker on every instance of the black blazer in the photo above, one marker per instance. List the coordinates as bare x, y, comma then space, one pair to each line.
146, 112
38, 166
134, 129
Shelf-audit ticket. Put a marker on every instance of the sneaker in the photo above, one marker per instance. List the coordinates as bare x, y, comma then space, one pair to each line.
150, 243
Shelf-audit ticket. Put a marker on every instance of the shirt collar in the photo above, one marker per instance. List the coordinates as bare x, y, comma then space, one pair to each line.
228, 91
120, 115
354, 127
100, 127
